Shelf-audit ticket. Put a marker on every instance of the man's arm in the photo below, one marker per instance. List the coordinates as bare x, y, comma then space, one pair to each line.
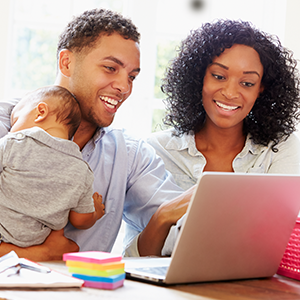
5, 110
153, 202
53, 248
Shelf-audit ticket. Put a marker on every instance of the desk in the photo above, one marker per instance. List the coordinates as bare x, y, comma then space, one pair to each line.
277, 287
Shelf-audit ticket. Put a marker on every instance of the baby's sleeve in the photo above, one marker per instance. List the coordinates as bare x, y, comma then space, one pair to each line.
86, 202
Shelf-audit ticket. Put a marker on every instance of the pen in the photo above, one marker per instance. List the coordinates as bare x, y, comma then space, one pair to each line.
36, 269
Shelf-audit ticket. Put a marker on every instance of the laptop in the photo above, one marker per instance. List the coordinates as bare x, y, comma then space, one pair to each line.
237, 226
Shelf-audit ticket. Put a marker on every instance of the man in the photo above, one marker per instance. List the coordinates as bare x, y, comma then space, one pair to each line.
98, 60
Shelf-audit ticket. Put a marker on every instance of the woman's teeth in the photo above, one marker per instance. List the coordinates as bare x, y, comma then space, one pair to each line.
226, 107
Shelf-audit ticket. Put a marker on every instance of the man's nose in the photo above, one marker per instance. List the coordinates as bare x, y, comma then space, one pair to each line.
121, 83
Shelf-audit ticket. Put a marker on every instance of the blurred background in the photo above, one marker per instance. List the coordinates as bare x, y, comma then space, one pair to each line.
29, 33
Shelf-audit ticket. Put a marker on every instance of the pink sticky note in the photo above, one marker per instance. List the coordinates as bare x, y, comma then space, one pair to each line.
103, 285
97, 257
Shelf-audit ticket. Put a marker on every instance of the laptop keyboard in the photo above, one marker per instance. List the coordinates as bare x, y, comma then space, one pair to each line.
154, 270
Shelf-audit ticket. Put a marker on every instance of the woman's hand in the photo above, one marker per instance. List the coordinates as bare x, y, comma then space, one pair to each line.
152, 239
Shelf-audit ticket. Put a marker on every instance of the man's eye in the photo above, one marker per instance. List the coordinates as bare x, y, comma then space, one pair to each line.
131, 78
112, 69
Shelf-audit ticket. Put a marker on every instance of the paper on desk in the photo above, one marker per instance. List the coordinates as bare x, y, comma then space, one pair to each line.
32, 279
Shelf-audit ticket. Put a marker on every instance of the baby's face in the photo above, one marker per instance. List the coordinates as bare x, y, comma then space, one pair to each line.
22, 117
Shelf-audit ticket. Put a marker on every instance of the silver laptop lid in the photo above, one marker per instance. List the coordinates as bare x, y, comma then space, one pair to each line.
237, 226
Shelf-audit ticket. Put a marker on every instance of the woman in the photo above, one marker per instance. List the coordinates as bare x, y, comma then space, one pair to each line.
233, 102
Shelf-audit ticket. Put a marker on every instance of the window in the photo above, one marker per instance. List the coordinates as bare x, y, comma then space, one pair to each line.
36, 25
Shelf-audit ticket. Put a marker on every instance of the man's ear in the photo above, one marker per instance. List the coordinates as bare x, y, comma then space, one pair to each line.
64, 61
42, 111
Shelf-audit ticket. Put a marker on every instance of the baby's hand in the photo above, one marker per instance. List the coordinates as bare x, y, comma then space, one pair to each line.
99, 206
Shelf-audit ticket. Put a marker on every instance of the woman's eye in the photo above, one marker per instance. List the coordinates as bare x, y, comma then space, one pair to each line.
219, 77
248, 84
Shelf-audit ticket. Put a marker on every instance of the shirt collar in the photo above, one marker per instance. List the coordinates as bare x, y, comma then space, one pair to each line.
186, 141
251, 147
100, 132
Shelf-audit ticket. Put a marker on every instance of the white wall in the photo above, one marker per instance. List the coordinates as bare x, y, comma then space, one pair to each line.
4, 34
292, 28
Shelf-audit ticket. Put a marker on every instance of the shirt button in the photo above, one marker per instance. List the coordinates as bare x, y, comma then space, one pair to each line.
20, 135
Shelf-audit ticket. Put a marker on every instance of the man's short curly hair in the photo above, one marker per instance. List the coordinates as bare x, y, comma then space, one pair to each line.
275, 112
84, 30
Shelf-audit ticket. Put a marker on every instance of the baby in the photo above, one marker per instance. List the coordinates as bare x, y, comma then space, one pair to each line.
44, 182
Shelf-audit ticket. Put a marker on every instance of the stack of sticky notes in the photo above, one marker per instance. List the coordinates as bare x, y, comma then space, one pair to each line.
98, 269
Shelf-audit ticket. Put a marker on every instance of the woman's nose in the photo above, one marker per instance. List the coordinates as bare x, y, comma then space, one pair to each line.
230, 90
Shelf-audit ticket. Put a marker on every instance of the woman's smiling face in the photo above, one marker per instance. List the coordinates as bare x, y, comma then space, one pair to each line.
231, 85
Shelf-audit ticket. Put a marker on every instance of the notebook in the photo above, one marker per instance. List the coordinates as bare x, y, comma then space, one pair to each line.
21, 273
237, 226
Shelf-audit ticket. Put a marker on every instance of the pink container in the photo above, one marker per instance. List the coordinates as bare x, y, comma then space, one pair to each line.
290, 263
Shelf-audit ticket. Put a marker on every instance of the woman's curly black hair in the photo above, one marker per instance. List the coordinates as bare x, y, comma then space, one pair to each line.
84, 30
276, 111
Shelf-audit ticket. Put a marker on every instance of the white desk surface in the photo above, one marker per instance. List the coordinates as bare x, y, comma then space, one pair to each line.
277, 287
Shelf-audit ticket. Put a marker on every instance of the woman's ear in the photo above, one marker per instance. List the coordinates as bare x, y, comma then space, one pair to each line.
42, 110
64, 61
261, 89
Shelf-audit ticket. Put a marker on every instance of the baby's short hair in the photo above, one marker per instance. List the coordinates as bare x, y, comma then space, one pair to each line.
67, 109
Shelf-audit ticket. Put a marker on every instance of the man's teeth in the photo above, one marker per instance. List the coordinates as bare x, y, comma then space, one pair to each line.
226, 107
111, 103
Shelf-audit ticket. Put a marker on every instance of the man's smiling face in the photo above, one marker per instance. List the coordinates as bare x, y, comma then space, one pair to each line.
102, 77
